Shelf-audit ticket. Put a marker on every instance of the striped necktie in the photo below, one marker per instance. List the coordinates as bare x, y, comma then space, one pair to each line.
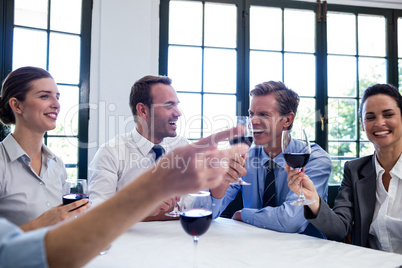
158, 151
268, 198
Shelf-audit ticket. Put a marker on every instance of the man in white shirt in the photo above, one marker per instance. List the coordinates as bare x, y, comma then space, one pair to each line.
153, 102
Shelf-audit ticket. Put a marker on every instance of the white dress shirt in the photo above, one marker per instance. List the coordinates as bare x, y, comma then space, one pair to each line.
386, 227
24, 195
121, 160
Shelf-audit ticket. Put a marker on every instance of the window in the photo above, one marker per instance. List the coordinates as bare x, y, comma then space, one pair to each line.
202, 63
328, 55
54, 35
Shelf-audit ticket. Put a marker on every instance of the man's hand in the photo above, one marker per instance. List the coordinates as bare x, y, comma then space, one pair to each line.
237, 169
237, 216
165, 206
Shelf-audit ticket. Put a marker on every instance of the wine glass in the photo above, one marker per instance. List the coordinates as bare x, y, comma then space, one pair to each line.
74, 190
246, 138
296, 151
175, 212
196, 215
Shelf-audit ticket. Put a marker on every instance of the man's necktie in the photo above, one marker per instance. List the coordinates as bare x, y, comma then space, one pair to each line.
158, 151
268, 198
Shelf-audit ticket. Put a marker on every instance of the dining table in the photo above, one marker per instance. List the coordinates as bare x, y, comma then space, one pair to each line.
231, 243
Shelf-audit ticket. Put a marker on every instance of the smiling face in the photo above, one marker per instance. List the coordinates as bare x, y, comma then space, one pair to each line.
382, 121
268, 123
163, 113
38, 112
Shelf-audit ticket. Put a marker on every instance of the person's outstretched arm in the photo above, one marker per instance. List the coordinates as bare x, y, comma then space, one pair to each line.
76, 242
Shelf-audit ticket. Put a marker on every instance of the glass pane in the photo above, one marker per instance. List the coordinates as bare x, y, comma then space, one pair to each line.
306, 117
342, 119
345, 149
341, 33
189, 125
30, 13
220, 70
65, 15
33, 54
67, 120
72, 173
337, 172
64, 58
400, 73
341, 76
265, 28
366, 148
299, 30
400, 37
184, 67
371, 71
65, 148
217, 108
300, 73
220, 25
372, 35
185, 23
265, 66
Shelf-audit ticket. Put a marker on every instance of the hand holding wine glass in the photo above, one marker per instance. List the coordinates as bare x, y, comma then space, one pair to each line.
247, 138
296, 151
74, 190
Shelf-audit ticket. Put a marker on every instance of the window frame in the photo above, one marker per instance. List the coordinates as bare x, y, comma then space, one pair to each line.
321, 54
6, 52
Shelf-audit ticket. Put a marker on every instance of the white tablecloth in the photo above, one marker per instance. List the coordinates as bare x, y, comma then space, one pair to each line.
230, 243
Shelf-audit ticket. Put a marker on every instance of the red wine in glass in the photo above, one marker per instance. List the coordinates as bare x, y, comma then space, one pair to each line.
70, 198
296, 151
296, 160
242, 139
196, 221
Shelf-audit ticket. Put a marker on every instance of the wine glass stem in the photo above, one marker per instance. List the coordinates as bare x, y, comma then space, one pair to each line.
301, 196
195, 242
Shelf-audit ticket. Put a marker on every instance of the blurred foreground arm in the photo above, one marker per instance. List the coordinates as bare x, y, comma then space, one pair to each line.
76, 242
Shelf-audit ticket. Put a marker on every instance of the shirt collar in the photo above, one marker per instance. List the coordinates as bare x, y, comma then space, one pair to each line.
15, 151
144, 145
395, 171
279, 159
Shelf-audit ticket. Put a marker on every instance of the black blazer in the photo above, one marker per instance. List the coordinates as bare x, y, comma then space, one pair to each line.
354, 206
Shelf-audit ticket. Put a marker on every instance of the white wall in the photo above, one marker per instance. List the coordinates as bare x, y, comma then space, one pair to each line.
125, 47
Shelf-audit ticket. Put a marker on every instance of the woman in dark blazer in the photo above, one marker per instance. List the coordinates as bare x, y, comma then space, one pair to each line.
369, 202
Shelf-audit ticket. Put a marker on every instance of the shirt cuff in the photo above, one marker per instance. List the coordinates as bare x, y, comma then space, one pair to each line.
26, 250
216, 205
247, 215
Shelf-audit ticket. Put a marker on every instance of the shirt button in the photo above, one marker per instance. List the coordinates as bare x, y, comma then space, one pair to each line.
248, 221
48, 204
213, 204
41, 183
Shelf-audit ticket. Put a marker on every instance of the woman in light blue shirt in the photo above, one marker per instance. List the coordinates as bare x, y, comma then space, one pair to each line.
31, 176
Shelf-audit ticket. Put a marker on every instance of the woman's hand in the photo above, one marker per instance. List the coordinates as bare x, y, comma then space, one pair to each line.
296, 179
57, 214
